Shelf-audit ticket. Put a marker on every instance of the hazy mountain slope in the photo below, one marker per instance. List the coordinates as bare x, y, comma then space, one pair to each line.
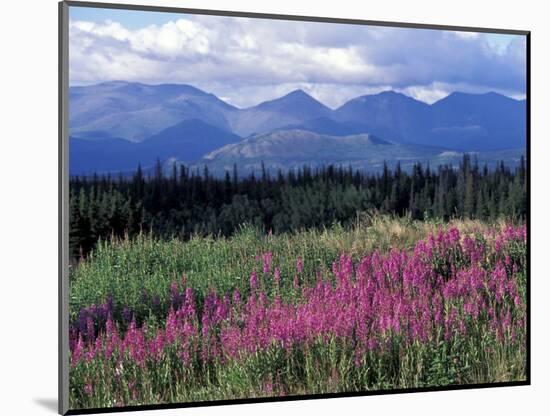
297, 144
101, 156
388, 114
326, 125
462, 121
291, 149
182, 122
135, 112
293, 108
288, 149
468, 122
478, 122
187, 141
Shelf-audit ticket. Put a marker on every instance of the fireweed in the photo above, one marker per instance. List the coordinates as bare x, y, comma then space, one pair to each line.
450, 311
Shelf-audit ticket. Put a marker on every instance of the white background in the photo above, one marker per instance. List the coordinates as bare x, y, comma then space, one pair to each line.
28, 205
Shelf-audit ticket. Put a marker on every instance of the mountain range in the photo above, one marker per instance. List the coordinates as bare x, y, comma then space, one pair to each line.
115, 126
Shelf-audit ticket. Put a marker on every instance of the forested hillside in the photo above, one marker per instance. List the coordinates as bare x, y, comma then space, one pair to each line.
191, 202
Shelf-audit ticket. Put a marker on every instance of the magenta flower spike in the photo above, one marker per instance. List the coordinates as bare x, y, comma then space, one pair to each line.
267, 257
299, 265
277, 276
253, 280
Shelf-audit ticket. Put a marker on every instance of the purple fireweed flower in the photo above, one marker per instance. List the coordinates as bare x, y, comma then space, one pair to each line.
156, 345
441, 289
462, 326
78, 351
268, 388
358, 356
253, 280
90, 330
127, 314
299, 265
171, 327
133, 389
507, 320
135, 343
89, 353
190, 302
277, 276
109, 304
98, 345
111, 345
267, 257
73, 338
175, 297
236, 297
88, 389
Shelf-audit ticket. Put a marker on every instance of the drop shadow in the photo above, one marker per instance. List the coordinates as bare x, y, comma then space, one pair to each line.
48, 404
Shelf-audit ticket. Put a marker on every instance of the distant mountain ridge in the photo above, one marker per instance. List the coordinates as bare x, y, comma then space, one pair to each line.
388, 114
291, 149
185, 141
297, 144
178, 121
135, 112
292, 108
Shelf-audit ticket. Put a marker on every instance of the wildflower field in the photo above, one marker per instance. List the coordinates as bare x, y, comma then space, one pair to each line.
386, 304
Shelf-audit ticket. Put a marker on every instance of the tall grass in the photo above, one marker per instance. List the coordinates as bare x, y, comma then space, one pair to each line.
400, 304
130, 271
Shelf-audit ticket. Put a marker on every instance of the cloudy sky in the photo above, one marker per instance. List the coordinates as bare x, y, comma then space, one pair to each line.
246, 61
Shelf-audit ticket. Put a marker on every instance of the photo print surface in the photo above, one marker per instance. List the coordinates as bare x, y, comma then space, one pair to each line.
268, 208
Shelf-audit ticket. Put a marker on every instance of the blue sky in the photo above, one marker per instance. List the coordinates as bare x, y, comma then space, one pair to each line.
130, 19
246, 61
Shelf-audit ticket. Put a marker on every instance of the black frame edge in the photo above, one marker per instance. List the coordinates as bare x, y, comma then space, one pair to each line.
276, 16
528, 196
63, 205
294, 398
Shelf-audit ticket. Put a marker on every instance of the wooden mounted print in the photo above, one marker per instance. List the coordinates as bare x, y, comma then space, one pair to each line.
265, 207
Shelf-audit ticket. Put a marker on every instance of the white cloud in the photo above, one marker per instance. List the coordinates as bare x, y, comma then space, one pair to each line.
466, 35
438, 90
429, 94
249, 60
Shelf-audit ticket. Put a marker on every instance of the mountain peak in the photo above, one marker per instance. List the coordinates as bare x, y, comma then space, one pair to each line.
466, 97
496, 95
140, 87
297, 101
295, 96
457, 94
298, 93
391, 93
395, 95
383, 96
114, 84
